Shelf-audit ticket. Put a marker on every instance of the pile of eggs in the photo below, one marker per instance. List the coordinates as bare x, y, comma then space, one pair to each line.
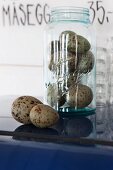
31, 111
28, 109
71, 61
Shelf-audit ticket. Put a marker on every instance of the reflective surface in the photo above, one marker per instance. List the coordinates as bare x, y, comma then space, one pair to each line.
67, 127
85, 126
26, 146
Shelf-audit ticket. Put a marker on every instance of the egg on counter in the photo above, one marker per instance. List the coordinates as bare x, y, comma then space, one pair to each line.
43, 116
21, 108
79, 96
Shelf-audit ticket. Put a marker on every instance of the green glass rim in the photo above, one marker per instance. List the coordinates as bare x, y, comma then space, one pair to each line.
77, 113
70, 9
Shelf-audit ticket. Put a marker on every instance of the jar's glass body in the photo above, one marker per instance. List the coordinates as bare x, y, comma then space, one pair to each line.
69, 62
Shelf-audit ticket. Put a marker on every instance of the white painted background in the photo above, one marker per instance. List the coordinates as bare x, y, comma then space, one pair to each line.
21, 47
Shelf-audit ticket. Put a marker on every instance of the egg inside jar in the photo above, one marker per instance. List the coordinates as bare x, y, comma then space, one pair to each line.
71, 63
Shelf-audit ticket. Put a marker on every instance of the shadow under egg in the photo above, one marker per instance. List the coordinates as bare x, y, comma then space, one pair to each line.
32, 133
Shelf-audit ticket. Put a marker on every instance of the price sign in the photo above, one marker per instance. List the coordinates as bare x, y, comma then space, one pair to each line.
99, 12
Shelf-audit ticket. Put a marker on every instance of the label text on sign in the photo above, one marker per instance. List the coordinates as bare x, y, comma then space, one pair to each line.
29, 14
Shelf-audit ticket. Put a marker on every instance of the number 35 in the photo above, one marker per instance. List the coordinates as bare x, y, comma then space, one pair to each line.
97, 7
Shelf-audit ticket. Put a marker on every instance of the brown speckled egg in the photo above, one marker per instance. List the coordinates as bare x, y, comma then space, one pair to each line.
54, 95
74, 42
43, 116
79, 96
72, 62
21, 108
83, 44
68, 40
71, 79
86, 62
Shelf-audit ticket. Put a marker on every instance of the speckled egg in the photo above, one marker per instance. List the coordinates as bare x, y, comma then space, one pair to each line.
61, 99
54, 95
43, 116
64, 61
71, 62
68, 39
74, 41
21, 108
79, 96
83, 44
86, 62
67, 62
71, 79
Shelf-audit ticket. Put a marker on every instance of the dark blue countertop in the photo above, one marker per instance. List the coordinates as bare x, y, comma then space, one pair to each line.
32, 155
25, 147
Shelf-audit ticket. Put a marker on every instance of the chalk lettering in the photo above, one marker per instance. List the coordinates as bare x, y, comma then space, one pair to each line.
38, 15
22, 18
29, 13
6, 15
46, 14
25, 14
15, 16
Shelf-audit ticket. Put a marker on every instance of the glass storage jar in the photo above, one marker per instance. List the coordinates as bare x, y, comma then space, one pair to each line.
69, 62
